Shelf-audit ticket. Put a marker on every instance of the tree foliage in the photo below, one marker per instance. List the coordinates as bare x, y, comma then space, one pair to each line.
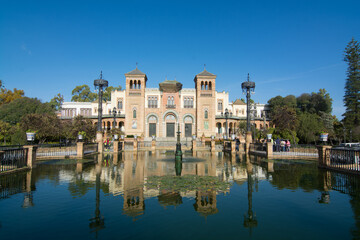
107, 92
83, 94
57, 101
70, 129
303, 117
46, 125
15, 110
7, 96
4, 131
352, 85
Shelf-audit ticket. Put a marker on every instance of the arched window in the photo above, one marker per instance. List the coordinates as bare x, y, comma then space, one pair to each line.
139, 84
120, 104
134, 113
135, 85
169, 101
202, 85
220, 106
172, 101
210, 86
206, 86
131, 84
206, 114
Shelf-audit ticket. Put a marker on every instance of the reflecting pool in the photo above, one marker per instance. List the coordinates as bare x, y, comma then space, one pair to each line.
215, 196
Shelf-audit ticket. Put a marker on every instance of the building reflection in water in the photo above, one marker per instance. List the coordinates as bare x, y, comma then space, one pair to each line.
125, 174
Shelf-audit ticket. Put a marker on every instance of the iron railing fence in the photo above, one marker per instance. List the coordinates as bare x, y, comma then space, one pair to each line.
345, 183
227, 146
13, 158
11, 184
144, 144
296, 150
257, 147
219, 146
90, 148
128, 145
8, 147
54, 150
347, 159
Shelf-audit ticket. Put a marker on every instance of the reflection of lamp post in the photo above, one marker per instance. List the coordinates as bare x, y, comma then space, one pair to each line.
250, 219
226, 117
97, 223
100, 84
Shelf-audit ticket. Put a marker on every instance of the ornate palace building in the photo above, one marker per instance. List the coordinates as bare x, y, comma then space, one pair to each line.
157, 112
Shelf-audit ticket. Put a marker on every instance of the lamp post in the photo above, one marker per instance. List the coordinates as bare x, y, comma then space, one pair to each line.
100, 84
226, 125
114, 112
248, 88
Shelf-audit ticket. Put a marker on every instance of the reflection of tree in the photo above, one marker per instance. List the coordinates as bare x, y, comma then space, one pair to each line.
79, 187
295, 175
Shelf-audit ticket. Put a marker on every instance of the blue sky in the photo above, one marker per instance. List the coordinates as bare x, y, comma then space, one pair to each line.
288, 47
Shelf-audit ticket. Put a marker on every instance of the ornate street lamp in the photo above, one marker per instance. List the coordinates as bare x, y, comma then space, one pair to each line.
226, 117
100, 84
114, 112
248, 88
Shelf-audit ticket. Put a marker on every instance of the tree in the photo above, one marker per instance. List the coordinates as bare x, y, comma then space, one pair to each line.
4, 131
46, 125
70, 129
107, 92
57, 101
12, 112
352, 85
309, 127
7, 96
83, 94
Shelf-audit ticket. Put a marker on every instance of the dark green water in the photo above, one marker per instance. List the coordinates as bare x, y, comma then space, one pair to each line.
247, 199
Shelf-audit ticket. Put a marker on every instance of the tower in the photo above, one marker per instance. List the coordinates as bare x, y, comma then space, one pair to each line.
135, 102
205, 103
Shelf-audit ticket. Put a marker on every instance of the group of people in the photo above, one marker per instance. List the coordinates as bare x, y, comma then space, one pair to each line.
107, 144
281, 145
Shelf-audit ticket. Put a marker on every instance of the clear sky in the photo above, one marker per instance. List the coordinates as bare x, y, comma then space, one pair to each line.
288, 47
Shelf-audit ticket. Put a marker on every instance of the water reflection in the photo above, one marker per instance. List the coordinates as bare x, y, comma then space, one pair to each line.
125, 175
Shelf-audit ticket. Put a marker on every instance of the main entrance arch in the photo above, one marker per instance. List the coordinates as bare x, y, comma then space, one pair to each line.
170, 121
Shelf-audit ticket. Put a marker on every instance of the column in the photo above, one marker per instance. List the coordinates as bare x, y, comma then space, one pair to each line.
80, 149
116, 146
31, 155
269, 149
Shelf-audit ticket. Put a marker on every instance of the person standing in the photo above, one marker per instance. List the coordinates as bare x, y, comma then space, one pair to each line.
288, 144
282, 144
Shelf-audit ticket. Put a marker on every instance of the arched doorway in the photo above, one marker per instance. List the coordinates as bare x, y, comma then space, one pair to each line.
170, 121
219, 128
188, 120
152, 122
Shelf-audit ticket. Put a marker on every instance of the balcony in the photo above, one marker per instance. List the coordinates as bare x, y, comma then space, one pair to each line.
172, 106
